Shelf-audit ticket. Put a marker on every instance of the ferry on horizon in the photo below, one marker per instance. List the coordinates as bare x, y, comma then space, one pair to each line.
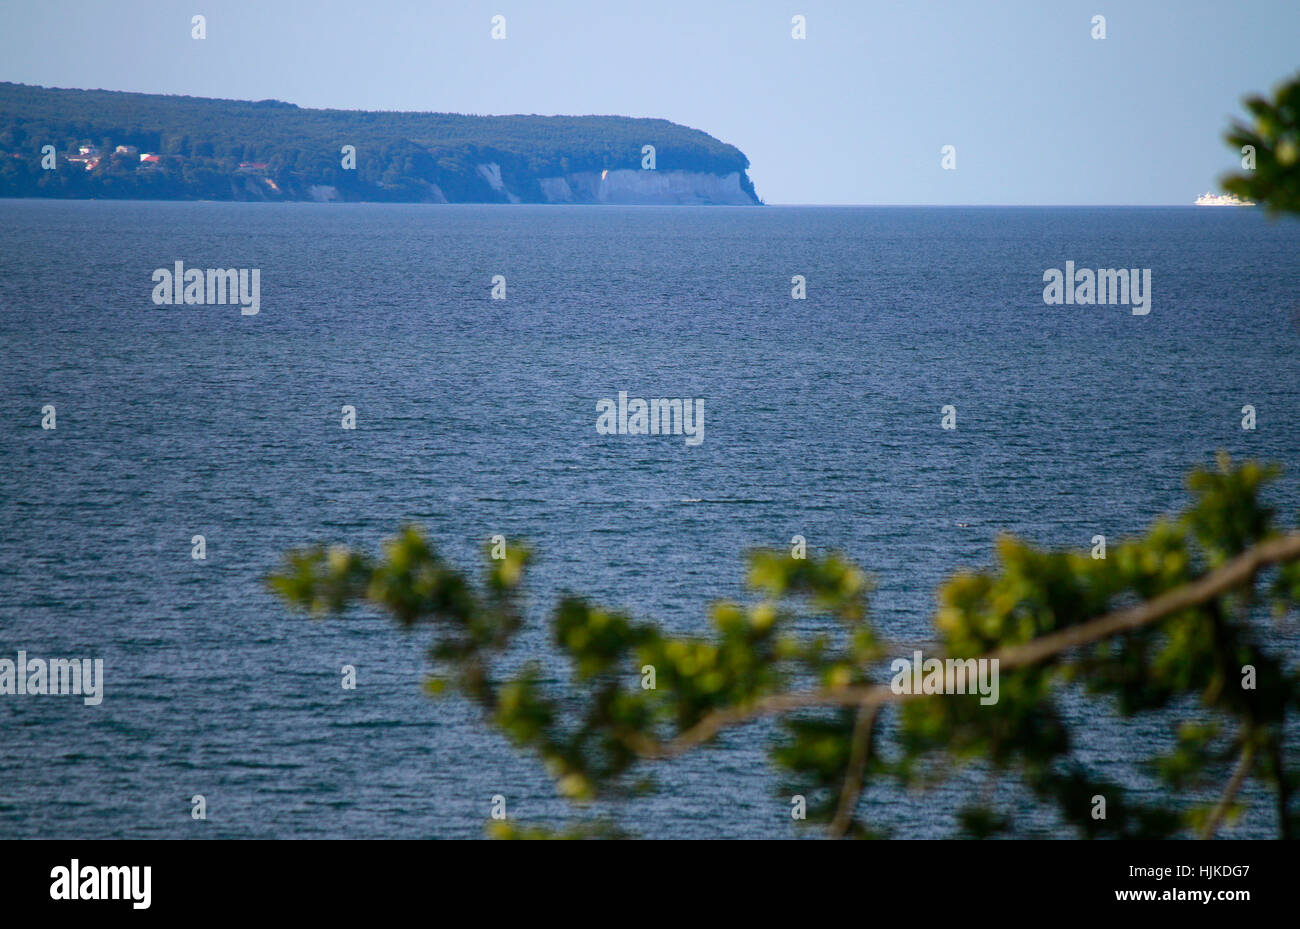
1211, 199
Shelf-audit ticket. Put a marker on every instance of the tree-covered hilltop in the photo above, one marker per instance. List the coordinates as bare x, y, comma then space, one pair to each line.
236, 150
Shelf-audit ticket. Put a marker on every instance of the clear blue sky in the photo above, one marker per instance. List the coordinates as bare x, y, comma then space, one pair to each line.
1039, 111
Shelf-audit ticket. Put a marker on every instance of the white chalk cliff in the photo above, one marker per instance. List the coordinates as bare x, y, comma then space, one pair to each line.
626, 186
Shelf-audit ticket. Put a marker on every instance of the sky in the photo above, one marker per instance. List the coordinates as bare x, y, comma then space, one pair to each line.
1038, 111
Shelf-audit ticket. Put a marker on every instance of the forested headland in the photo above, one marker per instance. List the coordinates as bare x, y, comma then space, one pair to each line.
111, 144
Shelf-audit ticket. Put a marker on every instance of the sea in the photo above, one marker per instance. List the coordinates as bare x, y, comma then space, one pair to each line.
474, 417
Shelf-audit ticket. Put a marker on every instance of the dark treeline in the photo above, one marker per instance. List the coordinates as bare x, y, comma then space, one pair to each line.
286, 150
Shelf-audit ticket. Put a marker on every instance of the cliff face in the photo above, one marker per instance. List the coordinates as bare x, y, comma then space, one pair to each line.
688, 188
95, 143
620, 186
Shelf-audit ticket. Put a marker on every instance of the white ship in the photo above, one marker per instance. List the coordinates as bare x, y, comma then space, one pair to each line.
1209, 199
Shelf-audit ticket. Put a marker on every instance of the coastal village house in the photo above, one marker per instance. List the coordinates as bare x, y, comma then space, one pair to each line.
88, 155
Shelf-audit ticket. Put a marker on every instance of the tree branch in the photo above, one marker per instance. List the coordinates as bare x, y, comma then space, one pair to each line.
864, 728
1226, 577
1230, 791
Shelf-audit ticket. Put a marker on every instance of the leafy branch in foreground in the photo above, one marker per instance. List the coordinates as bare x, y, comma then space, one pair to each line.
1274, 135
1166, 621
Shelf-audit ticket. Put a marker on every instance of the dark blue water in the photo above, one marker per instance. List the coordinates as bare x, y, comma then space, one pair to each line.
477, 417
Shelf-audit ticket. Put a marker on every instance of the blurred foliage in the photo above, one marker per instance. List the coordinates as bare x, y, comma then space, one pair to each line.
1274, 132
806, 631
